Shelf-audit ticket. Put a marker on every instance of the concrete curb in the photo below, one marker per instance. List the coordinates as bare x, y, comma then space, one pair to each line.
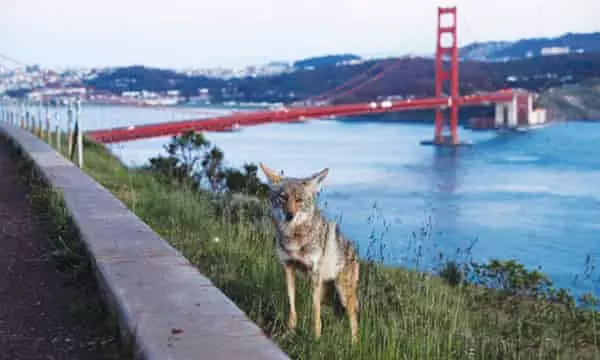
166, 308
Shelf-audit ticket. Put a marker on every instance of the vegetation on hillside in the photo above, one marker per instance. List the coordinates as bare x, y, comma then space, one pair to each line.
499, 50
499, 310
576, 101
327, 60
192, 162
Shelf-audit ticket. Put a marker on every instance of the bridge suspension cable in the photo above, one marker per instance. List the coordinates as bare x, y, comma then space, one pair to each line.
347, 83
368, 81
12, 60
365, 76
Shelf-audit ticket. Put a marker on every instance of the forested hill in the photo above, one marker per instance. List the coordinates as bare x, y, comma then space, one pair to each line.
404, 77
499, 50
327, 60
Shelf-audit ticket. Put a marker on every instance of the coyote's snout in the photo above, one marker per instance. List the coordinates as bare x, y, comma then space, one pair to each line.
308, 242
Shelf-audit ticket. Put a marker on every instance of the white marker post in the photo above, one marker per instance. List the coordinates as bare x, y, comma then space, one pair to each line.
30, 123
58, 140
56, 122
30, 117
79, 132
40, 110
40, 127
13, 112
22, 115
26, 115
11, 107
69, 129
47, 127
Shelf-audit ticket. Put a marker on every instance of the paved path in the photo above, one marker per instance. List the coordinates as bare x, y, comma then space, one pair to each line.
36, 318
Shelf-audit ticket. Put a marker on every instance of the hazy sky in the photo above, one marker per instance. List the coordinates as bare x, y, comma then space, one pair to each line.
179, 33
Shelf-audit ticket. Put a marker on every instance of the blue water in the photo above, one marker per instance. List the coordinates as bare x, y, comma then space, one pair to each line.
533, 196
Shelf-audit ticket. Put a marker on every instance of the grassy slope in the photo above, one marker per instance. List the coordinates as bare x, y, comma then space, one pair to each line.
404, 314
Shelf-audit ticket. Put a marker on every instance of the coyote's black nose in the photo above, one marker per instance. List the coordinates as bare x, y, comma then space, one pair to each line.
289, 217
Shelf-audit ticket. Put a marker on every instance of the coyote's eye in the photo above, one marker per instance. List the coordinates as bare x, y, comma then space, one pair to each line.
299, 200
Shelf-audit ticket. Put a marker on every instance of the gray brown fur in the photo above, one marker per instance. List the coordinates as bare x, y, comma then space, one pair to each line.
308, 242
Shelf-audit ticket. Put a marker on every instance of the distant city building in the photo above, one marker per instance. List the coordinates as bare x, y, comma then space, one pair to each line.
131, 94
45, 93
555, 50
270, 69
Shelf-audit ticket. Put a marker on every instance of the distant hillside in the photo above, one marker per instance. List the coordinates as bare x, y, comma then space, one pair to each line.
327, 60
500, 50
138, 77
403, 77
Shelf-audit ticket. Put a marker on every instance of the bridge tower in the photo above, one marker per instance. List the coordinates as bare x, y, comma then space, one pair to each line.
446, 52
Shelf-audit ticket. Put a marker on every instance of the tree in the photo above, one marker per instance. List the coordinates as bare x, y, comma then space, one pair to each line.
184, 152
213, 171
192, 161
246, 182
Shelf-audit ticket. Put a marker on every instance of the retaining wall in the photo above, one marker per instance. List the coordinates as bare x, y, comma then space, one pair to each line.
166, 308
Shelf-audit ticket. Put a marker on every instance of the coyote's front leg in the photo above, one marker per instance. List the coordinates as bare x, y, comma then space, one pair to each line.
290, 282
317, 289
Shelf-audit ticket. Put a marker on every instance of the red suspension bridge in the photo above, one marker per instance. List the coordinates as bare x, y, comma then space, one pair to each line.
513, 108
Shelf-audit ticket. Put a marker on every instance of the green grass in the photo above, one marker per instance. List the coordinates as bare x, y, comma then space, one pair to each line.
71, 259
404, 314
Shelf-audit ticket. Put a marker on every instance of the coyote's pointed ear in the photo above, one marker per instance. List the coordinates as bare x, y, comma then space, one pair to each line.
314, 181
270, 174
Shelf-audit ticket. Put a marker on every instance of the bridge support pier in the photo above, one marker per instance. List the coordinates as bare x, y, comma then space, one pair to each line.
507, 115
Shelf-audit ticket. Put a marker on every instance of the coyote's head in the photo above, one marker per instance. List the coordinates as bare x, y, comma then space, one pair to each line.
293, 199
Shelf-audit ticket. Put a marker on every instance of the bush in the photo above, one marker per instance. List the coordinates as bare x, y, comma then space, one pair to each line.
192, 161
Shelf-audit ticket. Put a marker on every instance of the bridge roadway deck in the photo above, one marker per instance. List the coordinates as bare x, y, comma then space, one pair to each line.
36, 321
229, 122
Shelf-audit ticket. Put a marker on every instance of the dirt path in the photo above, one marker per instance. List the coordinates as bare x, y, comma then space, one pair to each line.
36, 317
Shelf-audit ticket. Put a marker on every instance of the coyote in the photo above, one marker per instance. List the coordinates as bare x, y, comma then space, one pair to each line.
308, 242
